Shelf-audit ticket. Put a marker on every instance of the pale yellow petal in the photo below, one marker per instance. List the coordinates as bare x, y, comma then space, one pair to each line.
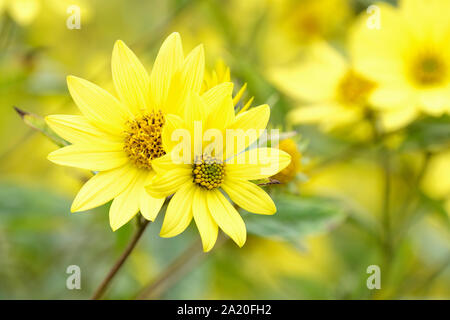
148, 205
130, 78
246, 129
173, 122
99, 157
398, 118
249, 196
215, 96
24, 11
257, 163
206, 225
221, 115
179, 212
125, 206
314, 77
165, 163
163, 185
312, 113
194, 69
77, 129
226, 216
169, 60
103, 187
97, 105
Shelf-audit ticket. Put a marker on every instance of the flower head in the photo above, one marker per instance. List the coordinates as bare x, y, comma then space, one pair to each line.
213, 165
333, 93
409, 57
120, 137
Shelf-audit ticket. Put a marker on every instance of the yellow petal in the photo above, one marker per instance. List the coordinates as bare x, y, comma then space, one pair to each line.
215, 96
24, 11
186, 81
169, 60
165, 163
398, 118
257, 163
221, 111
206, 225
102, 157
256, 118
247, 127
77, 129
173, 122
97, 105
179, 212
148, 205
168, 183
226, 216
312, 113
315, 77
103, 187
196, 110
130, 78
125, 206
249, 196
194, 69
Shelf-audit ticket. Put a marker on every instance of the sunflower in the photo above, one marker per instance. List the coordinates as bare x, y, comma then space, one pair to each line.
198, 183
120, 137
333, 94
409, 56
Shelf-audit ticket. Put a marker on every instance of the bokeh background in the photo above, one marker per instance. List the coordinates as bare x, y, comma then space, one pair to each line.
331, 220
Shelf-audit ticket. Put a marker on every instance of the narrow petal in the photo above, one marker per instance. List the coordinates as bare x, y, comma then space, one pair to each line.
77, 129
249, 196
168, 183
125, 206
173, 122
97, 105
169, 60
179, 212
148, 205
130, 78
220, 104
206, 225
215, 96
246, 129
257, 163
102, 157
193, 70
186, 81
165, 163
103, 187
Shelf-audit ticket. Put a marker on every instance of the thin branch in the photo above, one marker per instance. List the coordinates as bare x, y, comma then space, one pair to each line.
119, 263
179, 267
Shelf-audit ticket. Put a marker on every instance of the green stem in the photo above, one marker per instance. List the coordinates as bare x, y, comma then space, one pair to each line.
119, 263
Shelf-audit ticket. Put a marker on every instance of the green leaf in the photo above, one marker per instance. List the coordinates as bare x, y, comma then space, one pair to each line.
38, 123
296, 218
428, 134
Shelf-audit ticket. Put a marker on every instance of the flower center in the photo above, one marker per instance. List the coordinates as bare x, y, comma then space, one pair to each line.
354, 89
143, 141
428, 69
208, 172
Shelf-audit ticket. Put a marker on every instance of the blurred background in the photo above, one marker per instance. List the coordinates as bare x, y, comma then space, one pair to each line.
341, 207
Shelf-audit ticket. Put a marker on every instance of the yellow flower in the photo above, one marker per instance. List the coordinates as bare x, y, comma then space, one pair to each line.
221, 74
197, 183
25, 12
121, 137
22, 11
409, 56
335, 94
288, 174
